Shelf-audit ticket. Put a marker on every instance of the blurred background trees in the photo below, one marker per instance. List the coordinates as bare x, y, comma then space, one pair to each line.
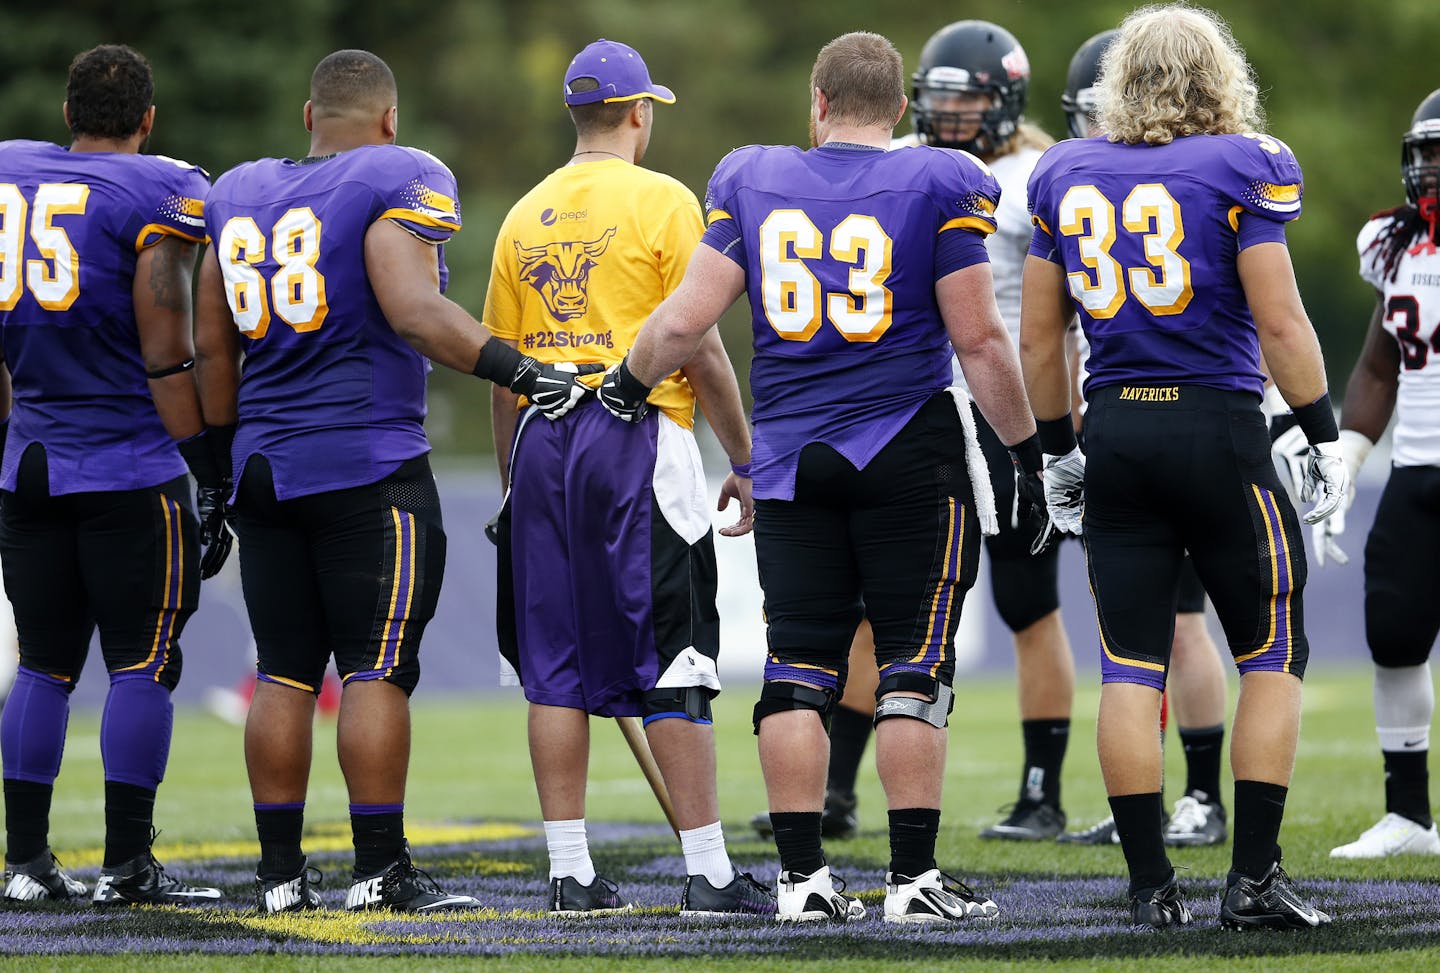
480, 84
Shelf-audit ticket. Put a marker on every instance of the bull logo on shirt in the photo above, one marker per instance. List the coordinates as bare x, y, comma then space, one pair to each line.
560, 273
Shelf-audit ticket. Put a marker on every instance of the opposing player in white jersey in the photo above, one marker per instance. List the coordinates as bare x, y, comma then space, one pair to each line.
1399, 372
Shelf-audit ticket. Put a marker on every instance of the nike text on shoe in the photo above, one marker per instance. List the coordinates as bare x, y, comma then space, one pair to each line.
1196, 823
289, 893
814, 898
570, 899
1103, 833
838, 821
403, 887
933, 898
143, 881
1160, 909
1394, 834
1028, 821
41, 879
742, 897
1269, 903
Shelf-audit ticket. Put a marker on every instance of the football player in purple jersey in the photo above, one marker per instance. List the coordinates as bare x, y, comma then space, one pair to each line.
97, 528
1398, 372
1177, 452
1195, 686
327, 275
865, 271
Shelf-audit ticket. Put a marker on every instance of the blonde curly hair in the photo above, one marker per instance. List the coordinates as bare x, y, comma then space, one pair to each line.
1176, 70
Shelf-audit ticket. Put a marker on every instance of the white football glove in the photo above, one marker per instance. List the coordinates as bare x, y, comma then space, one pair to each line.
1355, 446
1292, 450
1326, 481
1065, 490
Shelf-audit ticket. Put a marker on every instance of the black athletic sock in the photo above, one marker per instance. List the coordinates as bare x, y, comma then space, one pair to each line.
279, 827
1259, 810
797, 838
27, 819
912, 840
1204, 746
379, 838
1045, 742
1407, 785
849, 734
1137, 821
129, 820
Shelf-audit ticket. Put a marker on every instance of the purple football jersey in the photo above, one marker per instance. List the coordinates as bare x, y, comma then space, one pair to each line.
330, 394
1148, 235
72, 225
841, 248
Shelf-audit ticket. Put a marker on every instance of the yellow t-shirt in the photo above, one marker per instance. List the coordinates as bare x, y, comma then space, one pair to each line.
584, 257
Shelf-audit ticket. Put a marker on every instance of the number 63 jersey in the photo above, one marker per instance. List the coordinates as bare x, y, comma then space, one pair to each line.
330, 394
842, 247
1148, 236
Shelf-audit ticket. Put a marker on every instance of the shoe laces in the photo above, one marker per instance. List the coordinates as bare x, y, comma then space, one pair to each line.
406, 870
953, 885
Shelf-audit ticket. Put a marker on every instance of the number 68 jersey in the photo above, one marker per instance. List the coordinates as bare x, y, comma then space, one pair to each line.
841, 248
1148, 236
330, 394
1410, 313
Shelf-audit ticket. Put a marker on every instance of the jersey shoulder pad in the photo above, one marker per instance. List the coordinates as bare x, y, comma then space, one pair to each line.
730, 174
1261, 174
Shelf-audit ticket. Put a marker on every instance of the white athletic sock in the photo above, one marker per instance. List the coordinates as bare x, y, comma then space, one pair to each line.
569, 851
705, 854
1404, 707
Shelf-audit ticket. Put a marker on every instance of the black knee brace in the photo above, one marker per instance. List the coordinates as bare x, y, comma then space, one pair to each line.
781, 697
690, 703
933, 709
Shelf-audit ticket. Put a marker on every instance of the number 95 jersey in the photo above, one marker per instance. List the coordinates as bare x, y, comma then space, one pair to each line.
842, 247
330, 394
1149, 235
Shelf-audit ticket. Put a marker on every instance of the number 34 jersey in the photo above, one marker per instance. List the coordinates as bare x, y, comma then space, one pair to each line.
330, 394
842, 247
1148, 236
72, 227
1410, 313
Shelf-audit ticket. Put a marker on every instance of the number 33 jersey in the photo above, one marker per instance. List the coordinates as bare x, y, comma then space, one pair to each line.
72, 227
1410, 313
330, 394
1148, 236
842, 248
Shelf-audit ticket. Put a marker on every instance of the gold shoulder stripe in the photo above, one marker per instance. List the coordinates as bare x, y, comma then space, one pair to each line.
717, 214
151, 233
981, 224
415, 216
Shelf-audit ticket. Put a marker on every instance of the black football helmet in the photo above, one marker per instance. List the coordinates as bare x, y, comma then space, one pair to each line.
1420, 152
1081, 101
971, 56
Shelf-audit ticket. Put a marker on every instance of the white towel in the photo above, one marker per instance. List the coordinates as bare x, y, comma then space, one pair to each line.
975, 463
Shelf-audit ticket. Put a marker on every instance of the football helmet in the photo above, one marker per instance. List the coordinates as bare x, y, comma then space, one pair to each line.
970, 57
1420, 162
1081, 100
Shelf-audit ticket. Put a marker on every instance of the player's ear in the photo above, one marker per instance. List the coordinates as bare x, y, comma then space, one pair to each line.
65, 111
147, 124
390, 122
309, 117
904, 103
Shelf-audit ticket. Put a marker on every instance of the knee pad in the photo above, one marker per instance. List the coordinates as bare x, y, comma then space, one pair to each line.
1025, 589
934, 709
781, 697
690, 703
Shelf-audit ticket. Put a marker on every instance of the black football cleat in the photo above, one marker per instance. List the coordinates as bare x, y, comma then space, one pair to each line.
1028, 821
404, 888
41, 879
143, 881
742, 897
289, 893
1267, 903
1162, 908
569, 899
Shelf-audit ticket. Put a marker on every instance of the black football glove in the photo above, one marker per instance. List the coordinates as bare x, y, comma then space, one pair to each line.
623, 395
207, 454
551, 386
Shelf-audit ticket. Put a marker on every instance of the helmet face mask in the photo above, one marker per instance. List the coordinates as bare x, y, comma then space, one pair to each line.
1420, 163
970, 58
1081, 100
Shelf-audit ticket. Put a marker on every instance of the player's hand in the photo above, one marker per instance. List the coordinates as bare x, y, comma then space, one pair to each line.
738, 487
1324, 533
1065, 490
623, 395
1291, 449
1326, 481
216, 537
551, 386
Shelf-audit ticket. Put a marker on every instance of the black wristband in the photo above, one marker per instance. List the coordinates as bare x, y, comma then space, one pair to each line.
630, 386
498, 362
1057, 436
175, 369
1028, 455
199, 456
1317, 420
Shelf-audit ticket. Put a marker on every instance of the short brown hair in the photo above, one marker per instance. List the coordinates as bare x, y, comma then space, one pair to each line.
351, 81
863, 78
597, 117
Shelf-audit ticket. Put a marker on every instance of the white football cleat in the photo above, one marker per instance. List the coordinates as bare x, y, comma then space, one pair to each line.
1395, 834
814, 898
933, 898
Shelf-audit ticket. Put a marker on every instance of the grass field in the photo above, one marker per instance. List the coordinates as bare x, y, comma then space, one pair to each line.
472, 816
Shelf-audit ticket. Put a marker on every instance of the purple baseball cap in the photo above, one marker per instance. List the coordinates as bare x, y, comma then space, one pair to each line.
620, 72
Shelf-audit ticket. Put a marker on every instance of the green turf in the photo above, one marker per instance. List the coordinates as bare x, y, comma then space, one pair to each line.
470, 763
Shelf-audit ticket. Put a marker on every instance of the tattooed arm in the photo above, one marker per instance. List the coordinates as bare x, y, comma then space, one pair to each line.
161, 296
